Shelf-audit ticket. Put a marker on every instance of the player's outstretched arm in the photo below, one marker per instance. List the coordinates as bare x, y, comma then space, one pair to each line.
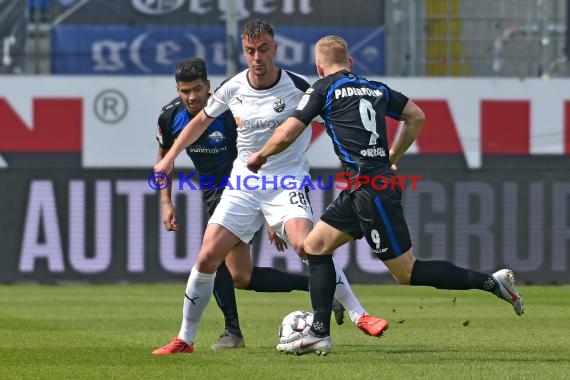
283, 136
414, 119
168, 210
189, 135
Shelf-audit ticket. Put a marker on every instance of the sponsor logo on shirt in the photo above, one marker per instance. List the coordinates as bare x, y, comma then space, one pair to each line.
257, 123
205, 150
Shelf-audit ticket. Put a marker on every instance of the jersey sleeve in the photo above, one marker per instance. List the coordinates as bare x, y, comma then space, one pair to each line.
311, 104
163, 134
230, 125
218, 102
396, 103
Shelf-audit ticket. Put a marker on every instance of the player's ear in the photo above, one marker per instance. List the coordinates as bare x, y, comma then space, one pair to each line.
208, 85
320, 71
350, 63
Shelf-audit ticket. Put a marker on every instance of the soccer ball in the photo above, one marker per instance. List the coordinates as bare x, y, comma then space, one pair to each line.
294, 324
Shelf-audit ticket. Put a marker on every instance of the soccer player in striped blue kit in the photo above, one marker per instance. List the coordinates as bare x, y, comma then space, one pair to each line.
354, 110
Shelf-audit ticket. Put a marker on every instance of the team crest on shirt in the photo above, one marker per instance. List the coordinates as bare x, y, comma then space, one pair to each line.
216, 138
278, 105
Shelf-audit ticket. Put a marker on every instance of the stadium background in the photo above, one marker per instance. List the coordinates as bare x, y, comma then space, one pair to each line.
83, 80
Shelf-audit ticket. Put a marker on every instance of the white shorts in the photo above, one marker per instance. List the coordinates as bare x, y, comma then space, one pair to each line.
244, 212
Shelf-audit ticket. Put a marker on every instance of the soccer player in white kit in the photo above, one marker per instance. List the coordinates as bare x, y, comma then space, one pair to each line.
260, 98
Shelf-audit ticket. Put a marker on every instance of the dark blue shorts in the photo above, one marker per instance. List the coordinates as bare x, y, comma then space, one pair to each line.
375, 214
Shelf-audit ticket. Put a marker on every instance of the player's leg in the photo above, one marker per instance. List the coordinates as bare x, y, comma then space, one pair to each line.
389, 237
261, 279
367, 323
267, 279
224, 294
322, 280
218, 241
238, 271
290, 214
445, 275
341, 216
296, 230
237, 211
319, 245
235, 219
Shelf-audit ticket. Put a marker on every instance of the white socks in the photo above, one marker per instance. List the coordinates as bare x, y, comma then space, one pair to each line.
201, 285
198, 293
344, 294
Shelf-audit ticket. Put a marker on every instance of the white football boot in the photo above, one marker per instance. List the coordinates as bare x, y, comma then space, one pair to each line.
508, 290
305, 343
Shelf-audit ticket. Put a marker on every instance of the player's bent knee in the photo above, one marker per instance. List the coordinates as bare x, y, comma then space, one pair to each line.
241, 281
401, 267
403, 279
205, 267
314, 249
207, 262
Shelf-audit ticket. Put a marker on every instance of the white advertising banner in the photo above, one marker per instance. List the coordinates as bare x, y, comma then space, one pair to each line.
111, 121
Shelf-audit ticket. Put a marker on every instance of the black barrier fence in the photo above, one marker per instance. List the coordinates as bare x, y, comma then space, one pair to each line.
104, 226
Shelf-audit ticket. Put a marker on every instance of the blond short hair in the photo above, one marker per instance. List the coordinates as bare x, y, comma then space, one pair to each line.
331, 50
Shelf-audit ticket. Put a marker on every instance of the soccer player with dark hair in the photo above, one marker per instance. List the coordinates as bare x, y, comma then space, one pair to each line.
259, 98
212, 155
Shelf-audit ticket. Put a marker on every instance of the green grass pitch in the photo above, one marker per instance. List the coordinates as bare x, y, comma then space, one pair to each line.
108, 332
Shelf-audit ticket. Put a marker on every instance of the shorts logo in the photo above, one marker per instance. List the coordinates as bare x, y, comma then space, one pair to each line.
278, 105
373, 152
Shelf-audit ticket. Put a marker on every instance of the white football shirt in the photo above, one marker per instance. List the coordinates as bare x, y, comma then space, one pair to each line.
258, 113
